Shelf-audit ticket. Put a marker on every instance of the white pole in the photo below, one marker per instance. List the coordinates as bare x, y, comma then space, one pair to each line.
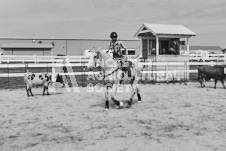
141, 48
157, 45
0, 58
187, 42
148, 53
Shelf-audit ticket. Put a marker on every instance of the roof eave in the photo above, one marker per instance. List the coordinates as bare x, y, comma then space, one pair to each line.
146, 31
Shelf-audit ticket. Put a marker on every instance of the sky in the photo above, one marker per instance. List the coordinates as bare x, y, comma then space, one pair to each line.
96, 19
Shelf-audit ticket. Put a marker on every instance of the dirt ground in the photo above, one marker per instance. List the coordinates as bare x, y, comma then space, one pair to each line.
171, 117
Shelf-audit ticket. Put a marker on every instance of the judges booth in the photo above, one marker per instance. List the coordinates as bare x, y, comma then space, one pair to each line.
164, 43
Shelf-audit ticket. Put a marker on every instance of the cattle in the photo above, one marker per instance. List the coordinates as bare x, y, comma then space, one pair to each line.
35, 79
211, 72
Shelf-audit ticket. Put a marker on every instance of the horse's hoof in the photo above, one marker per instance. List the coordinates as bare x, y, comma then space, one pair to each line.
139, 101
121, 105
129, 103
106, 109
139, 97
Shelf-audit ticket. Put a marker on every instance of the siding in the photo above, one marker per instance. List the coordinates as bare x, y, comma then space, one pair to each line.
74, 46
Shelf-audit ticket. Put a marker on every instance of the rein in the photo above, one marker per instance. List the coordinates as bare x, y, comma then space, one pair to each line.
112, 71
104, 71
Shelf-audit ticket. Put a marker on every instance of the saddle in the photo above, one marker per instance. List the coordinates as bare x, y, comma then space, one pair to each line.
126, 66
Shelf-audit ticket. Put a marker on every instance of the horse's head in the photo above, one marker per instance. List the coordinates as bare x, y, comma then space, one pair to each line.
99, 58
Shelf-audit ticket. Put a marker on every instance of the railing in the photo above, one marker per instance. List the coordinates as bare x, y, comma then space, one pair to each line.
151, 71
209, 57
40, 59
185, 66
79, 59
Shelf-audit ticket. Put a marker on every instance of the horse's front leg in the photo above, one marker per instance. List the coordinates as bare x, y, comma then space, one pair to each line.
138, 94
114, 90
133, 92
135, 89
107, 98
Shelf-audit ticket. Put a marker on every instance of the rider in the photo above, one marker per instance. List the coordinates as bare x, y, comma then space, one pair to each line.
117, 47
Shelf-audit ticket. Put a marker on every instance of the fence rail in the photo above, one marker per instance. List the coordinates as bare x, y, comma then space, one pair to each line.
140, 64
209, 57
40, 59
77, 59
12, 68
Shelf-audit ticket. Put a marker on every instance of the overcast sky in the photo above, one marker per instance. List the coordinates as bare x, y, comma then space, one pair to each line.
98, 18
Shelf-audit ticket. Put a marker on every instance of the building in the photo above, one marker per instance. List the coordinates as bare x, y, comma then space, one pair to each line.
162, 42
73, 47
27, 49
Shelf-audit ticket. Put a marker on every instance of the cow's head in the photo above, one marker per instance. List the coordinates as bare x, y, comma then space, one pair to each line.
56, 77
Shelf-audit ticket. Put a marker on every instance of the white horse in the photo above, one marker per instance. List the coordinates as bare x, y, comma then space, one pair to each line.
114, 74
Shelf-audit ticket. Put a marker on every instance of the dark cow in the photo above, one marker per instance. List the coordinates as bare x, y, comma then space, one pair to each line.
207, 72
32, 79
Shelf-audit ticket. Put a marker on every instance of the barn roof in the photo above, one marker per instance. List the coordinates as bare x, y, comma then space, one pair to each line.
205, 48
164, 29
213, 49
27, 45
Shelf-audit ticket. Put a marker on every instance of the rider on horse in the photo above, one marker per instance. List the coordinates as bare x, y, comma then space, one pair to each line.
117, 47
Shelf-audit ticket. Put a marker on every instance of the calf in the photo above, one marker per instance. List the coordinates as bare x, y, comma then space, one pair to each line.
207, 72
32, 79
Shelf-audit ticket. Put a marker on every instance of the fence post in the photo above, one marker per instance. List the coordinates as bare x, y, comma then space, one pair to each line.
25, 67
167, 73
185, 73
8, 73
35, 58
47, 67
67, 58
83, 74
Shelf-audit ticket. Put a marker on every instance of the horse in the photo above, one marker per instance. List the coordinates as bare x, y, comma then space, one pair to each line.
114, 74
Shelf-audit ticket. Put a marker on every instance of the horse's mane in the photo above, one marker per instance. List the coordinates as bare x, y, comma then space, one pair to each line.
108, 59
105, 55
